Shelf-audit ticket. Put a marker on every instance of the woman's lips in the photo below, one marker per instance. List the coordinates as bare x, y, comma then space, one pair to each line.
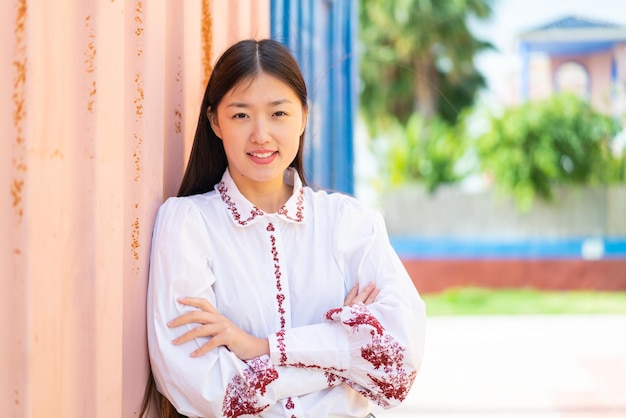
263, 157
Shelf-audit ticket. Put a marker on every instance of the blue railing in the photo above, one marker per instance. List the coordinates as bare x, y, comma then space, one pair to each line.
445, 248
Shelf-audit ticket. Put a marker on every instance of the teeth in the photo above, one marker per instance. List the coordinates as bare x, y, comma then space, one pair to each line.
261, 155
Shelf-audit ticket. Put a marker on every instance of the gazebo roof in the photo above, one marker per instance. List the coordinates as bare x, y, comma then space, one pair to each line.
575, 22
573, 34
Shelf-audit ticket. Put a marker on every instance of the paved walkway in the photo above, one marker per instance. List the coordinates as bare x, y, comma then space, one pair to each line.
520, 367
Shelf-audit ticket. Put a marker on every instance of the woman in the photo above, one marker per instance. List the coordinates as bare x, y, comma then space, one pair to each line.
266, 297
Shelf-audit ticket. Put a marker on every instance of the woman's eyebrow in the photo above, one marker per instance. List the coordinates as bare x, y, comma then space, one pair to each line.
237, 104
247, 105
279, 102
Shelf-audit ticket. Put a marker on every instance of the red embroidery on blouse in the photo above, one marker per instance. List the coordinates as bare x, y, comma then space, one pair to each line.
376, 397
262, 373
280, 298
396, 385
331, 378
223, 190
280, 339
331, 313
363, 317
299, 209
241, 393
301, 365
290, 404
384, 353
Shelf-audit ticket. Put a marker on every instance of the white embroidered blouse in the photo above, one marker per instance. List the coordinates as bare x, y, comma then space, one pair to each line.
283, 276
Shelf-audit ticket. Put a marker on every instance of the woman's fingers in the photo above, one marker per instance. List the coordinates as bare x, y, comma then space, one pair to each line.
365, 295
372, 296
200, 331
200, 303
208, 323
201, 316
205, 348
193, 317
351, 295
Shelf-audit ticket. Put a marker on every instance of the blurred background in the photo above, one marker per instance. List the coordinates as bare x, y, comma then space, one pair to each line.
489, 133
497, 128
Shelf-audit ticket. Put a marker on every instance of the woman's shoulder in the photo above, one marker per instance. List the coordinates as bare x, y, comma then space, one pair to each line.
177, 204
340, 204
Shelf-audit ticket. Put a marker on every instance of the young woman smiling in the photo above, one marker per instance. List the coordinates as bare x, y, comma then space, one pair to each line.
266, 297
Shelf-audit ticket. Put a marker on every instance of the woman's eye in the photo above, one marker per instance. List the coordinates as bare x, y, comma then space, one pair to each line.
240, 116
280, 113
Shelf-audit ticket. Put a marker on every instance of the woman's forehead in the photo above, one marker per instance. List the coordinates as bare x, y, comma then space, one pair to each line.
262, 86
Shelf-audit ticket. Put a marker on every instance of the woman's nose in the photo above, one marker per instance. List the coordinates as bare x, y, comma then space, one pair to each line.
260, 132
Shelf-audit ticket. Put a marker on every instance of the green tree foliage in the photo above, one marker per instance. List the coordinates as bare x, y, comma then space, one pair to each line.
531, 148
417, 56
409, 158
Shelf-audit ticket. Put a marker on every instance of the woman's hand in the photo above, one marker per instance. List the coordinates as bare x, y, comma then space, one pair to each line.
366, 295
221, 330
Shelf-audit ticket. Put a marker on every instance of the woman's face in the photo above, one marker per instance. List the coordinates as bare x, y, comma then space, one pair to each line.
260, 122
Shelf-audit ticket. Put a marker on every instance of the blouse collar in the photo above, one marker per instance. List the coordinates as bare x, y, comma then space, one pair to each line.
244, 213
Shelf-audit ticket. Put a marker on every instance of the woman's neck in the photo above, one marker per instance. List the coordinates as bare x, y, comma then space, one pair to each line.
267, 196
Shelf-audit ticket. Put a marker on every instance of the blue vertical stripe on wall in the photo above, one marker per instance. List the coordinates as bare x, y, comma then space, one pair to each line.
322, 34
524, 87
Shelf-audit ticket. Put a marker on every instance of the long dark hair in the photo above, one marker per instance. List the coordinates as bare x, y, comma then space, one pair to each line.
153, 398
207, 161
244, 60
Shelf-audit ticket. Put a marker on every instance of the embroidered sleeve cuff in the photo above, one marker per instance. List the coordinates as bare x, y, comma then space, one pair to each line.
322, 346
380, 369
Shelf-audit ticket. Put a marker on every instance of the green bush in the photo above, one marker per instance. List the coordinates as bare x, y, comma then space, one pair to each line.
531, 148
421, 151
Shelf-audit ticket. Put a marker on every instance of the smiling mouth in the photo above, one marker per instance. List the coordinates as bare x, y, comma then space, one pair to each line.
262, 154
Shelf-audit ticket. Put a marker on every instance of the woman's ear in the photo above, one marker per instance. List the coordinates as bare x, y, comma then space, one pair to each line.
305, 112
212, 116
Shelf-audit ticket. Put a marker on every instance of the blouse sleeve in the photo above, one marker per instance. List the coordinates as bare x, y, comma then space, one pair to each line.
376, 349
217, 383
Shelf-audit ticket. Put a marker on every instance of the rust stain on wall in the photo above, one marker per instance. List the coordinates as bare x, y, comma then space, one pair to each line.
19, 106
135, 239
90, 57
139, 22
19, 82
16, 194
178, 121
207, 40
137, 157
140, 96
138, 101
19, 165
137, 161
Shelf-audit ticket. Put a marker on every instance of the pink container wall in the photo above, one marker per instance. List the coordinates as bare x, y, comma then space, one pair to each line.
98, 107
